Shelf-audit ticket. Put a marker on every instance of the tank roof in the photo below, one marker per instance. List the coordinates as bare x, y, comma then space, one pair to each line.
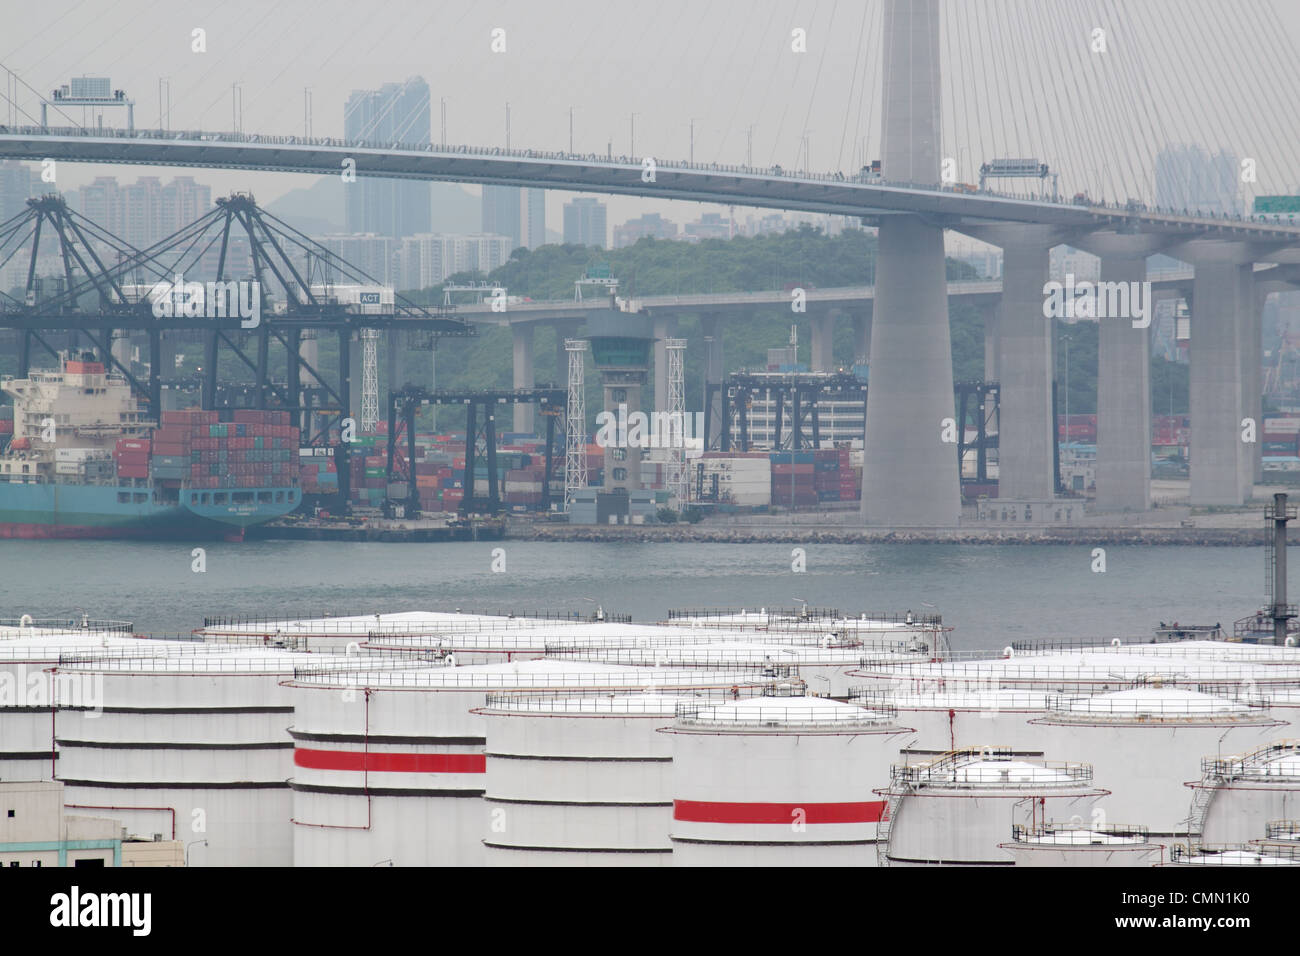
1012, 699
989, 768
521, 674
777, 712
634, 705
1150, 702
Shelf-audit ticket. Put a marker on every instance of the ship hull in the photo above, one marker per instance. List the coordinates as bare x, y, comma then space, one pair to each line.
69, 511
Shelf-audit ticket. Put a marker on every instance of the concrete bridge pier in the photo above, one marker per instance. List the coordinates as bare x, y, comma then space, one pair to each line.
1024, 363
1222, 295
521, 335
711, 326
992, 342
665, 327
862, 337
394, 367
823, 337
1123, 400
910, 473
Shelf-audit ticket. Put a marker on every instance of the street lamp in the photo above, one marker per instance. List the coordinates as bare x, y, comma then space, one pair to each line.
193, 844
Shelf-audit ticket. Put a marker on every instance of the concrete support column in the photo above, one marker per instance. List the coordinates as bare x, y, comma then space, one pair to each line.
823, 336
992, 342
122, 346
711, 325
1219, 460
1123, 401
394, 358
309, 349
910, 474
665, 327
1252, 375
862, 337
521, 335
1025, 467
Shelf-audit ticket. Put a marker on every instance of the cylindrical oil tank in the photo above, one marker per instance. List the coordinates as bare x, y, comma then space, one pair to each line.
779, 781
31, 689
1145, 743
1284, 834
1083, 845
824, 669
191, 746
389, 766
1232, 854
579, 780
336, 633
1242, 794
959, 809
951, 720
1090, 672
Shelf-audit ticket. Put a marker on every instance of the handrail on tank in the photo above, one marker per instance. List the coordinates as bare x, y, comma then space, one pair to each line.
1079, 834
1283, 830
942, 769
1011, 699
1204, 853
361, 671
1059, 706
629, 700
776, 717
1232, 765
83, 624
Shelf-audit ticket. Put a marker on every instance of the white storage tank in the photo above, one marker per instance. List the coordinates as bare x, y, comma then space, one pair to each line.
194, 746
1145, 743
779, 781
824, 669
1238, 797
579, 780
1240, 854
389, 766
959, 809
1079, 844
30, 689
951, 720
336, 633
1280, 834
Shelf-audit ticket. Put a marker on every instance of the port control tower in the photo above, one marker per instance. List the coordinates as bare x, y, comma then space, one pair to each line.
621, 344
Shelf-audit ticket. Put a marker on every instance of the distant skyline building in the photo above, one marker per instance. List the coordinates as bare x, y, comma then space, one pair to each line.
501, 212
394, 113
428, 259
1187, 177
584, 222
651, 224
535, 218
375, 255
711, 225
16, 187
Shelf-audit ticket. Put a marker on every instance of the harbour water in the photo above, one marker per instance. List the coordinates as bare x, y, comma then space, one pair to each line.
991, 594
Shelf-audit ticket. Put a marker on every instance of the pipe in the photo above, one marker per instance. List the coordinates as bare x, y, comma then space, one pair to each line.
365, 784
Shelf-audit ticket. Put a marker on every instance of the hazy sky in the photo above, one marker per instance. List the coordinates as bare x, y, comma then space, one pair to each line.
1017, 77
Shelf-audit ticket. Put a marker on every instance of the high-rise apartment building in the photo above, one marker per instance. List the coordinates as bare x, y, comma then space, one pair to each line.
501, 212
584, 222
394, 113
535, 225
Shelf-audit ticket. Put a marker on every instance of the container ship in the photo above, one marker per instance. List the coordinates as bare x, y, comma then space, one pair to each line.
85, 460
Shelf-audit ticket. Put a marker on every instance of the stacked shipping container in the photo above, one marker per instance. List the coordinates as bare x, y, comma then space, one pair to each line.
252, 449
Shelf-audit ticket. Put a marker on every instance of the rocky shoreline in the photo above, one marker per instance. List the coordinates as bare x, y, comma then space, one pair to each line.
812, 534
